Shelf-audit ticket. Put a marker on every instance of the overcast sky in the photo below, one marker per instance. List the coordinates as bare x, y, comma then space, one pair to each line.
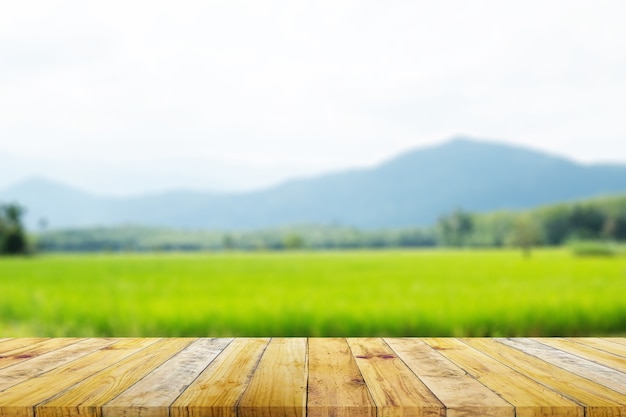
160, 90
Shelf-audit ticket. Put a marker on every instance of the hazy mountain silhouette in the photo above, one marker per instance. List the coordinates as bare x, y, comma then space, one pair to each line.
411, 189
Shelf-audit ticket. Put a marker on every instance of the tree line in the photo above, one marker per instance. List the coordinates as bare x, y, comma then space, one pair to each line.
598, 219
592, 220
287, 238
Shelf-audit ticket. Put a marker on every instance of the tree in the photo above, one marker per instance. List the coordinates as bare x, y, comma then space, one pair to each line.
228, 242
556, 224
615, 227
587, 221
455, 228
293, 241
525, 234
12, 234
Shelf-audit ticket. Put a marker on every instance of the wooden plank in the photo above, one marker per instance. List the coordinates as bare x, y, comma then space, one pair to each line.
278, 387
18, 343
3, 340
586, 352
152, 396
336, 387
15, 356
618, 340
217, 391
24, 371
597, 399
601, 374
87, 397
461, 394
530, 398
394, 387
317, 377
602, 344
19, 400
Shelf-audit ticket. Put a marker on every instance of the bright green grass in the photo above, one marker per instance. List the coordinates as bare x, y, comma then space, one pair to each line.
399, 293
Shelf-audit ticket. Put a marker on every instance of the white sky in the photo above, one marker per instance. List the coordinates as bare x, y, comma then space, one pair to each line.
274, 89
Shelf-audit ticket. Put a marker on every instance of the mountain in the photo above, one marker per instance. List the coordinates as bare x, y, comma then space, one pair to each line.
153, 176
411, 189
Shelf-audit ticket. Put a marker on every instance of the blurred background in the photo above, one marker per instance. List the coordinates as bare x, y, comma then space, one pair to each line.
328, 168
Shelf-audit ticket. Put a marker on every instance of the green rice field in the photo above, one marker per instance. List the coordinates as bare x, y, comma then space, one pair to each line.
392, 293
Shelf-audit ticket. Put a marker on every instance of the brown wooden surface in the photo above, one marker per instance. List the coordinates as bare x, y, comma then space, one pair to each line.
318, 377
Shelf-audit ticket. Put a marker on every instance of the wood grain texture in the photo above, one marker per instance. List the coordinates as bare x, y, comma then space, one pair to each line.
86, 398
317, 377
152, 396
278, 387
394, 387
618, 340
32, 368
336, 387
12, 344
29, 352
530, 398
462, 395
15, 356
217, 391
602, 344
19, 400
601, 374
597, 399
595, 355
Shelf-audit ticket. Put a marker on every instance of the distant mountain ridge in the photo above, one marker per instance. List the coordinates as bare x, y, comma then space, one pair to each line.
412, 189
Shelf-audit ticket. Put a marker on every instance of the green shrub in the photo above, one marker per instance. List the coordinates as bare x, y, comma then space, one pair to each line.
593, 248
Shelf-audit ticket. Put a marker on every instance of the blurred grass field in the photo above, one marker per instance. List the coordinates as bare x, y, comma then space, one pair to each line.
393, 293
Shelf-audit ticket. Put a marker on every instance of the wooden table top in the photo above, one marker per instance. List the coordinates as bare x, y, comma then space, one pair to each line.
262, 377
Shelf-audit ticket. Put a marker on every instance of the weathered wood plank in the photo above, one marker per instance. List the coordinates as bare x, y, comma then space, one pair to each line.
461, 394
597, 399
618, 340
586, 352
336, 386
24, 371
152, 396
395, 389
530, 398
18, 343
278, 387
19, 400
22, 354
601, 374
86, 397
218, 389
601, 344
